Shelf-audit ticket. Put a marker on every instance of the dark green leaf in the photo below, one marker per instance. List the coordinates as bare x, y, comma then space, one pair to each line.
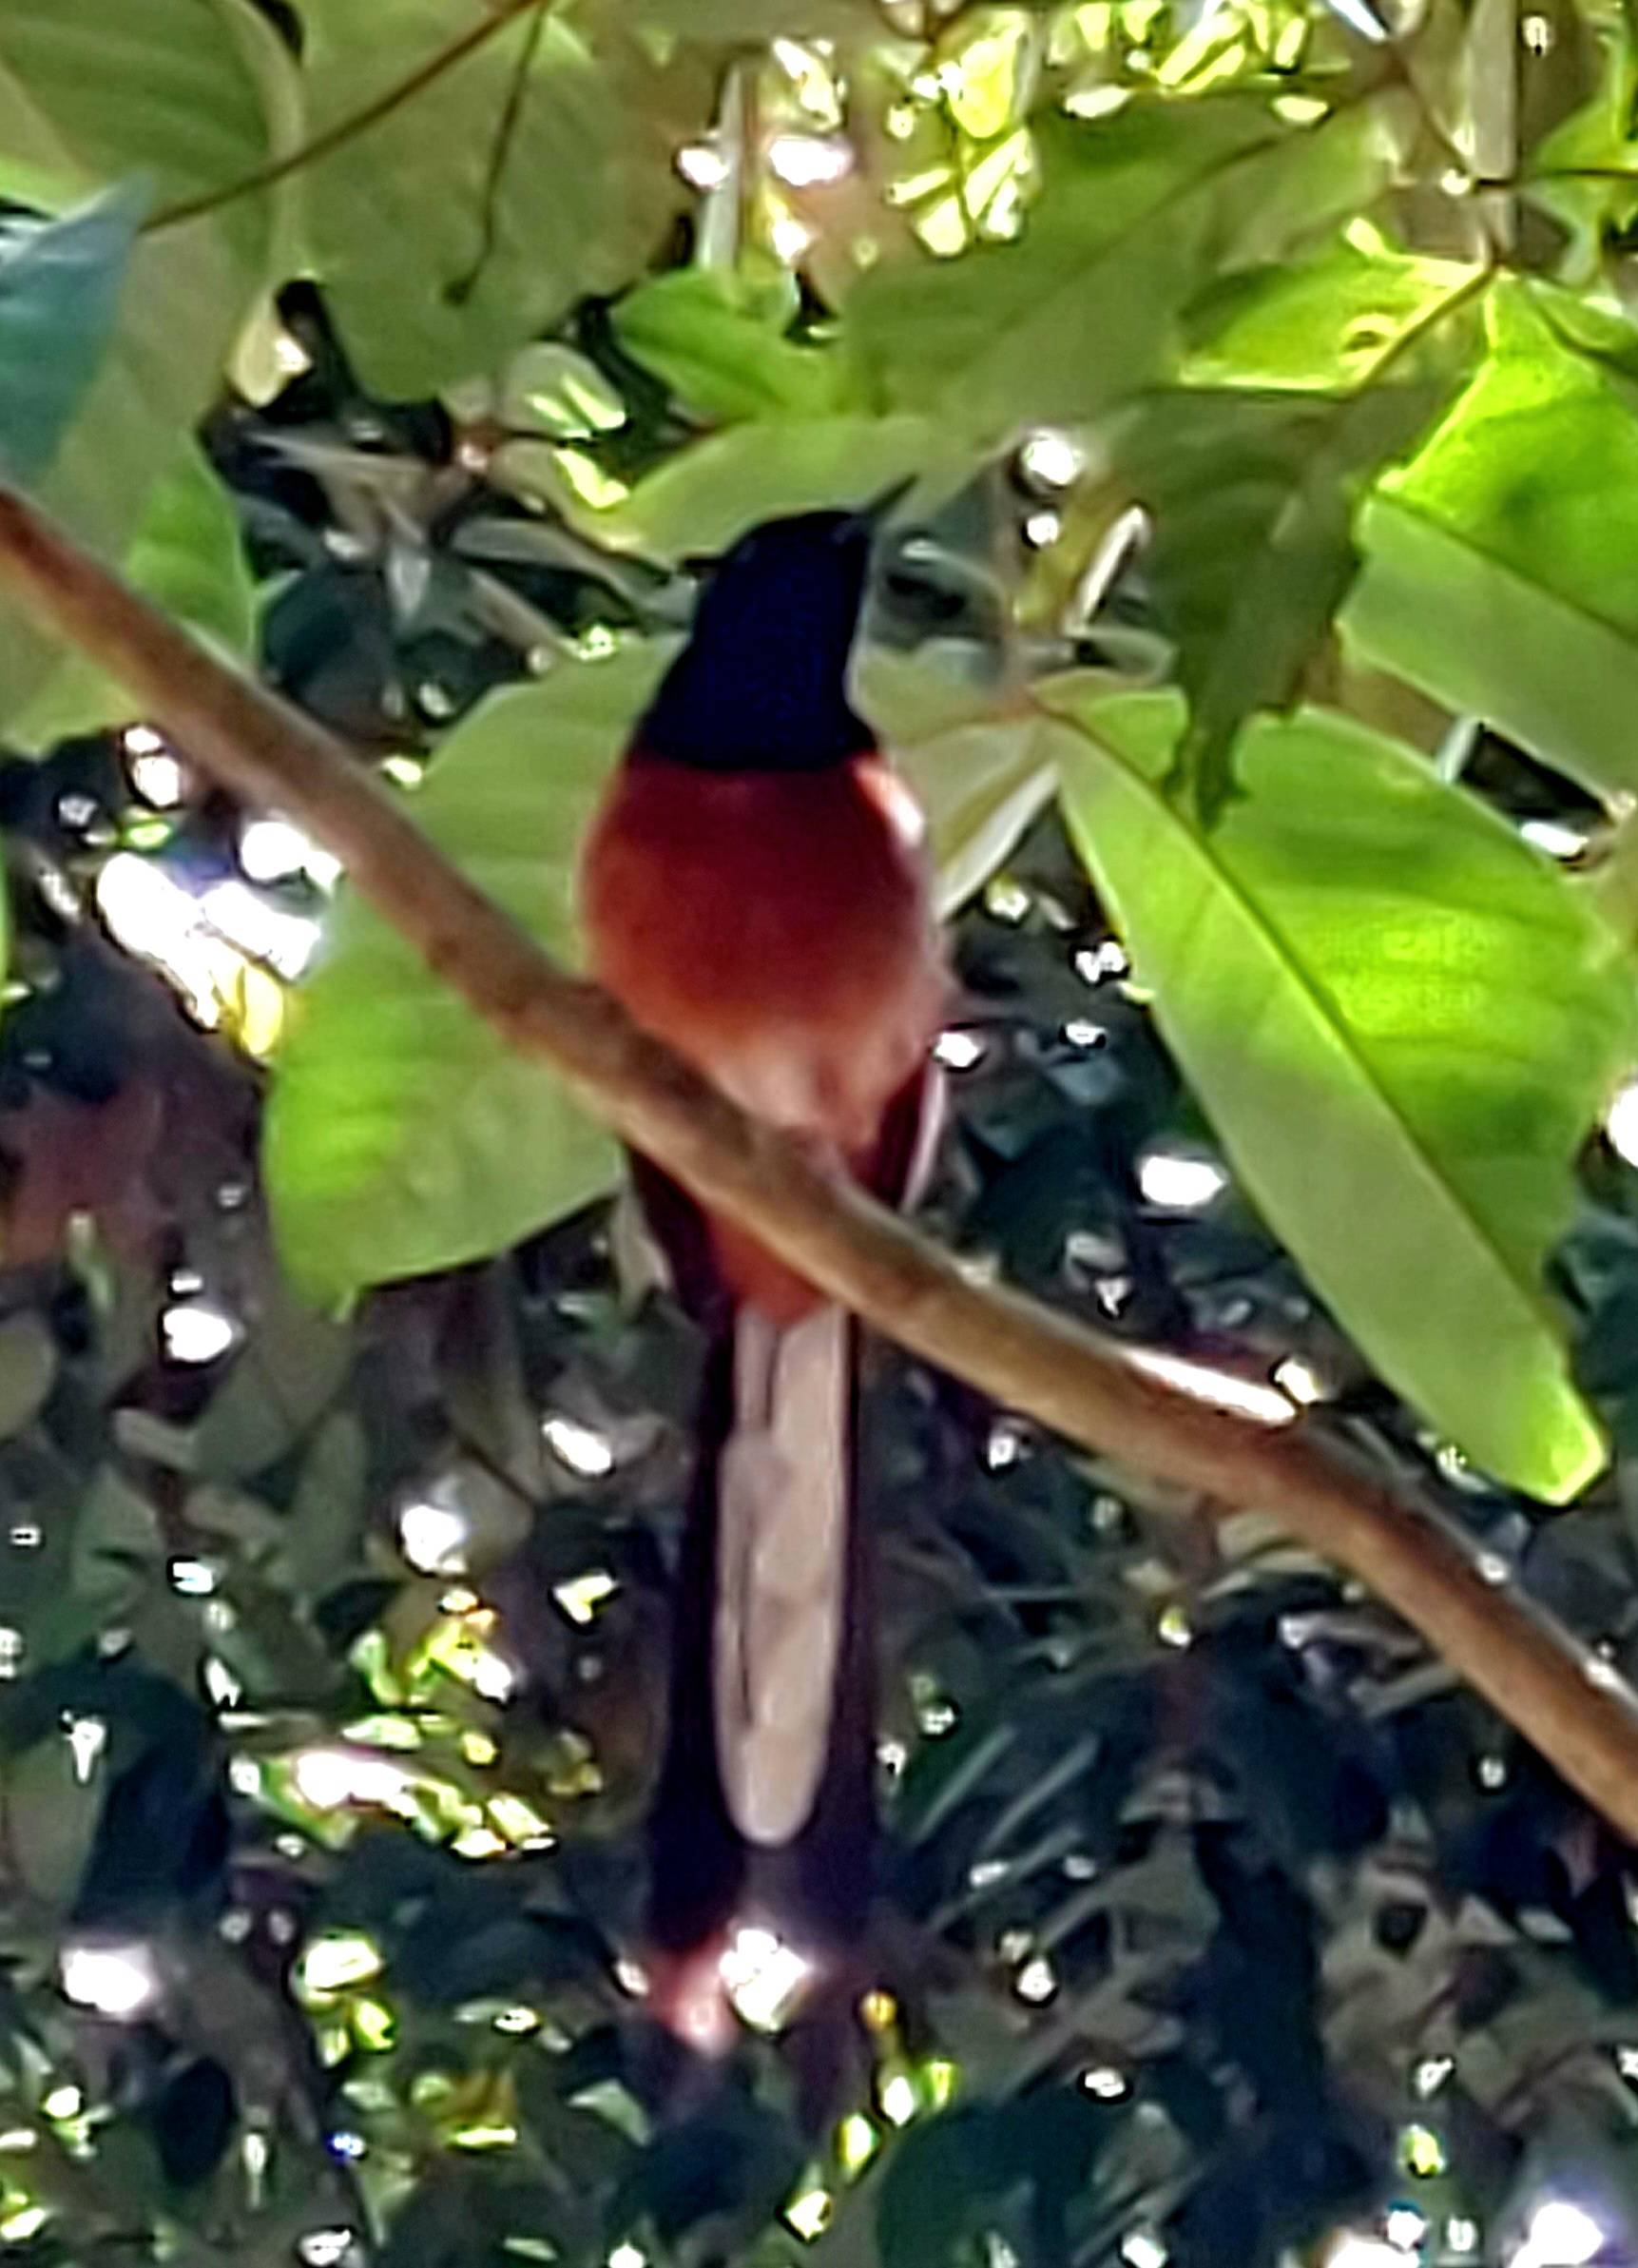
60, 285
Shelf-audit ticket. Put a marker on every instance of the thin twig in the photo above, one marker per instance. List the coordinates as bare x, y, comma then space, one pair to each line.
500, 150
345, 129
1582, 1717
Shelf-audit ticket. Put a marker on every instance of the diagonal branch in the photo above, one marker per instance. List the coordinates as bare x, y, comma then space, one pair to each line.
1582, 1719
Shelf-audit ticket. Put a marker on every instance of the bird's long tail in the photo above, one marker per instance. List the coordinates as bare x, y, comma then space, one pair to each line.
763, 1813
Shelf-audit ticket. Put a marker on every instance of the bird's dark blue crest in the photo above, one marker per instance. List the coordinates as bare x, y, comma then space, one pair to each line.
762, 685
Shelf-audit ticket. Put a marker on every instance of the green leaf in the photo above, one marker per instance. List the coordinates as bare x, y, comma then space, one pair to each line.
1251, 497
91, 91
722, 21
1402, 1022
560, 392
721, 346
49, 1816
522, 179
60, 285
1136, 211
1501, 566
402, 1136
980, 778
1323, 323
28, 1371
965, 2173
699, 501
189, 559
289, 1372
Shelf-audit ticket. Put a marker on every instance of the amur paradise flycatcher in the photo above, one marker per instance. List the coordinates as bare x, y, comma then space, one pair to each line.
756, 892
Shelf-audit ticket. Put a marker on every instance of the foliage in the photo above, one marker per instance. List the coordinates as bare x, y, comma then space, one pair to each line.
1258, 629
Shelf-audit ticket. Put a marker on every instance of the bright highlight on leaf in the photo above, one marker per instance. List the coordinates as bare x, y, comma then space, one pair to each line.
1501, 565
1402, 1023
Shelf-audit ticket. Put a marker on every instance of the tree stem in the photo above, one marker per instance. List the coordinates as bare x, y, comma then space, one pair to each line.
1023, 1356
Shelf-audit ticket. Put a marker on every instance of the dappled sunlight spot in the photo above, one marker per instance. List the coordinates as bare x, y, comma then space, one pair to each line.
285, 942
810, 161
157, 775
1142, 2248
116, 1980
580, 1446
584, 1597
196, 1333
1300, 1381
433, 1537
1180, 1181
810, 2213
210, 948
335, 1964
959, 1051
1621, 1125
763, 1977
325, 2248
701, 165
1556, 837
1404, 2227
858, 2139
1052, 458
1560, 2234
327, 1779
1350, 2248
1220, 1390
276, 850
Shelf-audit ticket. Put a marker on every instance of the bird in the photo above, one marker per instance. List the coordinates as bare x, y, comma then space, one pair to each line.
755, 890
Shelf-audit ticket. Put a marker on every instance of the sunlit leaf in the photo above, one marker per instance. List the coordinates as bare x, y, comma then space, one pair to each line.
1251, 498
1501, 566
1402, 1023
176, 91
522, 182
1326, 322
701, 499
402, 1136
1087, 307
721, 348
188, 557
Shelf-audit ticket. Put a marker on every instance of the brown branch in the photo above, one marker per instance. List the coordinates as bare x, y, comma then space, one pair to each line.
1020, 1354
346, 130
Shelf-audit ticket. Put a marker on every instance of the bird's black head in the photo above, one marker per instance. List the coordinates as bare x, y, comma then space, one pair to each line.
762, 685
